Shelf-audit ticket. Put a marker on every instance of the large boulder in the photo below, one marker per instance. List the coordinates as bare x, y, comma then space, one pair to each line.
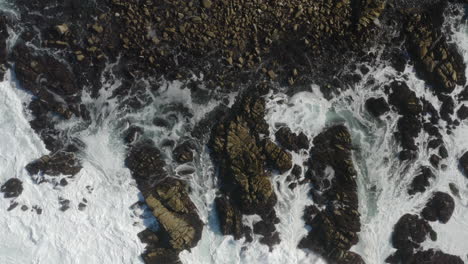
403, 99
12, 188
433, 256
440, 207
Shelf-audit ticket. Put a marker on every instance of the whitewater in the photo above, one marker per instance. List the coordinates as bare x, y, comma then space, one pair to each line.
105, 231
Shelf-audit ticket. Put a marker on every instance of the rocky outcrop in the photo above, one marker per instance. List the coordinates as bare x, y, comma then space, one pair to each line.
278, 158
180, 226
439, 208
433, 256
421, 181
436, 61
409, 124
62, 162
377, 106
291, 141
3, 46
242, 158
183, 152
12, 188
409, 232
334, 228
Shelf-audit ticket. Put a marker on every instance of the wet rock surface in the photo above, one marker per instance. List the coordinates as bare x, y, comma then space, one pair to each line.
334, 228
436, 61
65, 163
377, 106
291, 141
168, 198
242, 158
439, 208
421, 182
12, 188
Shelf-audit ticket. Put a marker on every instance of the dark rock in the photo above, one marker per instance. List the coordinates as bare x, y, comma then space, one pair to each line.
443, 152
12, 206
160, 122
433, 256
440, 207
24, 208
230, 218
447, 109
37, 209
408, 233
82, 207
454, 189
12, 188
377, 106
277, 157
64, 204
296, 171
132, 134
63, 182
464, 164
462, 112
146, 164
334, 229
421, 181
404, 99
409, 128
439, 63
61, 162
183, 153
434, 160
291, 141
435, 143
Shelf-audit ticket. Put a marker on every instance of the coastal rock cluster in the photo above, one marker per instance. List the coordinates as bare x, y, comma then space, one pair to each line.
248, 47
334, 228
242, 153
167, 197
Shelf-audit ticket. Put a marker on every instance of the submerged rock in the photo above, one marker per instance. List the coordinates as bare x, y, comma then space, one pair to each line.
12, 188
440, 207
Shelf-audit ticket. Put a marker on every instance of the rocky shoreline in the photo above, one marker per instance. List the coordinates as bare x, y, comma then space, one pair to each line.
250, 48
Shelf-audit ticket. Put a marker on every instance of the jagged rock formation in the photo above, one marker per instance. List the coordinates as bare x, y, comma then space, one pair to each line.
464, 163
242, 156
168, 199
335, 228
436, 61
291, 141
409, 232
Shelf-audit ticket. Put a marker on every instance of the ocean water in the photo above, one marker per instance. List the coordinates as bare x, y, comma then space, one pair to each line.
106, 230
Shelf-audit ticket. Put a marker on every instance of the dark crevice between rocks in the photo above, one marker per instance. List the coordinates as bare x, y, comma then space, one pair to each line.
335, 227
244, 158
